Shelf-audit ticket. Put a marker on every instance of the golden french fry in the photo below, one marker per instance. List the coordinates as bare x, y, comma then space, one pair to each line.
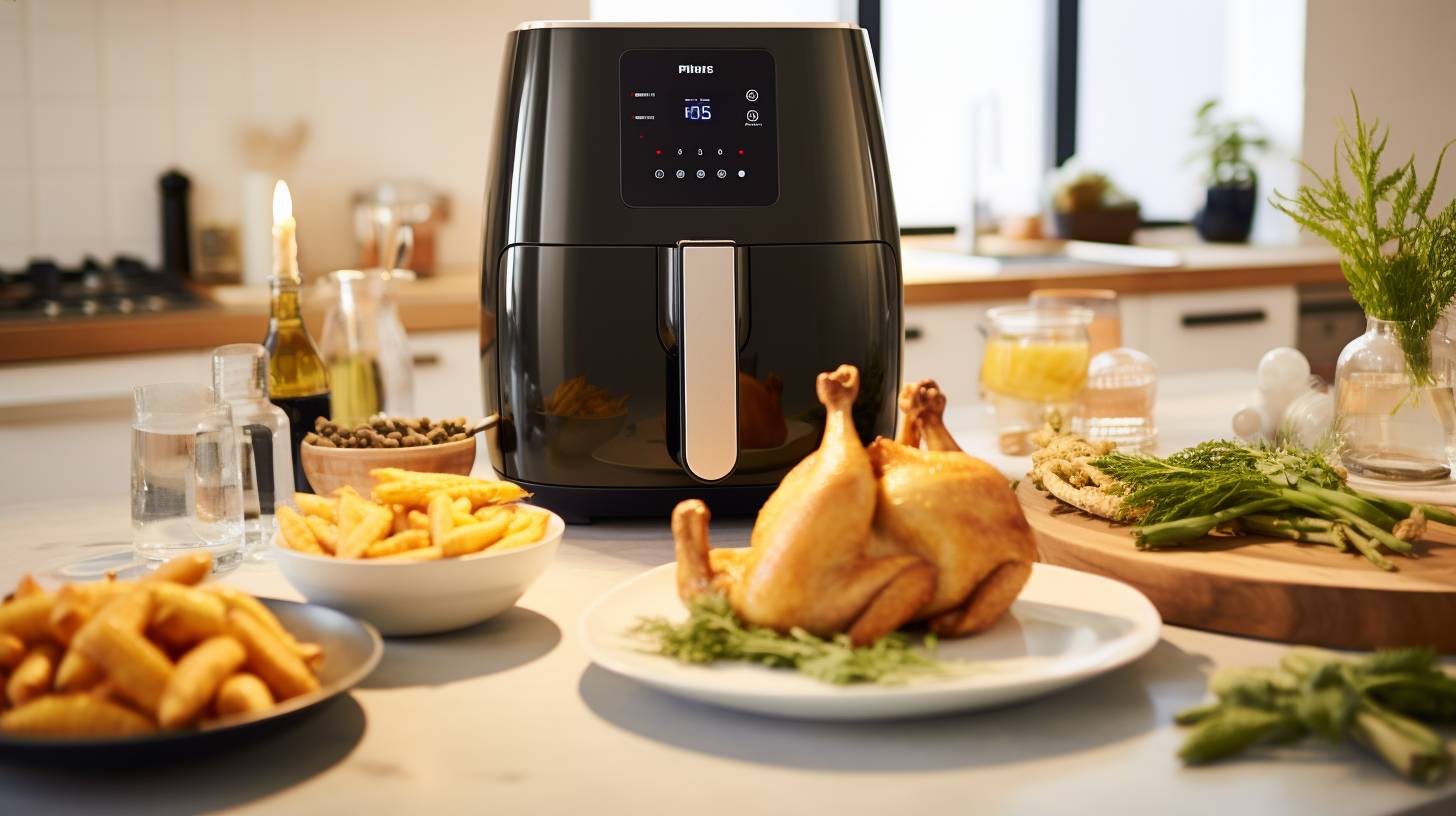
271, 658
352, 509
473, 538
196, 679
460, 505
139, 669
325, 532
184, 616
12, 650
533, 530
520, 520
77, 672
419, 521
433, 553
401, 519
441, 521
297, 534
26, 587
490, 511
382, 475
77, 603
32, 677
482, 492
462, 519
242, 694
398, 543
28, 618
131, 609
74, 715
313, 505
374, 526
184, 569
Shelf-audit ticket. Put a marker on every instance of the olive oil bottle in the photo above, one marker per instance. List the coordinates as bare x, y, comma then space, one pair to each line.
298, 382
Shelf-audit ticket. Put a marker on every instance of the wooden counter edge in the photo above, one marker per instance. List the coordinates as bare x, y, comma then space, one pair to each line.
1125, 281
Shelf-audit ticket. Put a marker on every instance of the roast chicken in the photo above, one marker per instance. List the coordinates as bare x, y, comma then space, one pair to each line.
865, 540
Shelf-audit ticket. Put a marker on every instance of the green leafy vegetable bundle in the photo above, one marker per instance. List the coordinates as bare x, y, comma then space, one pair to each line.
712, 632
1382, 702
1275, 491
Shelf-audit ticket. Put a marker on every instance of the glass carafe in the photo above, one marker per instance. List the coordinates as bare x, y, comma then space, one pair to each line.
240, 379
1034, 368
365, 347
1388, 426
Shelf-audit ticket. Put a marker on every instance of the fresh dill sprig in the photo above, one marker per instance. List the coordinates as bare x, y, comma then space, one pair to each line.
1399, 260
713, 632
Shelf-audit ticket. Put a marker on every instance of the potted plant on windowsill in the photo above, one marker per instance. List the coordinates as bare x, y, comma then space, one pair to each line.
1227, 214
1395, 417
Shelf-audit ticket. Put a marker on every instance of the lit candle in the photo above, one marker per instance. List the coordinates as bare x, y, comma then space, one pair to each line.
285, 244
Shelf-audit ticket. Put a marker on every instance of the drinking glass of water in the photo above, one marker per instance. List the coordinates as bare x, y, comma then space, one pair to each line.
186, 484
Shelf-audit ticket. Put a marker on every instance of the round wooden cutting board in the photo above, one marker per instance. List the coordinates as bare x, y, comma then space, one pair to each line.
1264, 587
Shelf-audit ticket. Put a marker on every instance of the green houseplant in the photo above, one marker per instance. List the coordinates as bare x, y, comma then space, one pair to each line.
1394, 410
1227, 146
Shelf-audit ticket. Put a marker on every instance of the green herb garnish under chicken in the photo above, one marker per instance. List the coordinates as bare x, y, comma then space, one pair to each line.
712, 632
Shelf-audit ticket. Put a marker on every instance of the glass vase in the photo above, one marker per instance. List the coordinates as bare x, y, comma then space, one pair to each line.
1388, 425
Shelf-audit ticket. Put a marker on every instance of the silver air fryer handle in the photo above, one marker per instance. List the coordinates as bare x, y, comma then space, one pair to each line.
707, 342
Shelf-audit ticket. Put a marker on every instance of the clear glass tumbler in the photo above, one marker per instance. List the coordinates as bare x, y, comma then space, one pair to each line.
186, 484
1033, 370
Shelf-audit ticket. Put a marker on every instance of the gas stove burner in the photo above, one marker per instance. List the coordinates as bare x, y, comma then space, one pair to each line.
126, 286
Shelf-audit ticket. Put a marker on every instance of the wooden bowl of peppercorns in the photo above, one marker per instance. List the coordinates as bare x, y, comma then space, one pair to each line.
335, 455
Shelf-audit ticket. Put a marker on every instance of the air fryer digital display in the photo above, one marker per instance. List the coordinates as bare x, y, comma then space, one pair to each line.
699, 128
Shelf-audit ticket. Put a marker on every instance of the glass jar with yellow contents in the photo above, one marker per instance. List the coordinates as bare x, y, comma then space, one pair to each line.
1034, 367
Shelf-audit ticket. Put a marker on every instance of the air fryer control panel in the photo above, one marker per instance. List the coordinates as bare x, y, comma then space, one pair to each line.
699, 128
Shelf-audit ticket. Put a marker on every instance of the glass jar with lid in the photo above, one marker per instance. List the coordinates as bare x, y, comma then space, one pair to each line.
1033, 369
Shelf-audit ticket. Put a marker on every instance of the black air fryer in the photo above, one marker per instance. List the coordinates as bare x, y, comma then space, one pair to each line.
684, 226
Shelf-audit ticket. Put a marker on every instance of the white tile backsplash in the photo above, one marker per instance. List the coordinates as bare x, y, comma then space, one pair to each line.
16, 225
99, 97
14, 134
62, 13
132, 206
136, 49
65, 135
12, 59
64, 63
138, 133
70, 208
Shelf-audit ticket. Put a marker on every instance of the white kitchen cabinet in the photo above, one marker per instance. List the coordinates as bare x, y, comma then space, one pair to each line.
447, 374
943, 342
1217, 329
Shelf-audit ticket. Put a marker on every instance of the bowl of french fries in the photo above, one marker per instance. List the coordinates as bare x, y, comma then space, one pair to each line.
581, 417
422, 553
121, 661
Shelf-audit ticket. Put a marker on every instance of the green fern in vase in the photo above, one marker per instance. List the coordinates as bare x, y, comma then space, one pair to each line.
1400, 261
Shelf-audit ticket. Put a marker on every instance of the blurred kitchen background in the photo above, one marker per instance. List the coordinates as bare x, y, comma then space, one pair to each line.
353, 101
99, 97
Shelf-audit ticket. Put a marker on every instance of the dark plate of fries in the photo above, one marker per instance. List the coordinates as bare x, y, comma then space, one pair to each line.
349, 650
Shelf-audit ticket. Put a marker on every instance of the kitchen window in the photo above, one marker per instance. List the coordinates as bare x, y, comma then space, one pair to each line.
982, 99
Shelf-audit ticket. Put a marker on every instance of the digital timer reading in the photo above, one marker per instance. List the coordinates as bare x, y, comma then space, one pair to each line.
698, 110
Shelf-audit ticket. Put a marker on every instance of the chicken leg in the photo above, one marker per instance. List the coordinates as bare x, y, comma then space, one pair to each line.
808, 564
923, 405
954, 511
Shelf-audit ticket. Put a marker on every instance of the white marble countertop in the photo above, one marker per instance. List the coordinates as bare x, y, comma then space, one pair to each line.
511, 717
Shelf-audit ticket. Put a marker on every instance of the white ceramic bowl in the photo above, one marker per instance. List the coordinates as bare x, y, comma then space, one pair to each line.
422, 597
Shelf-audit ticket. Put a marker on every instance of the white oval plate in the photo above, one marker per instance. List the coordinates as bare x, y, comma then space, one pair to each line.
1065, 627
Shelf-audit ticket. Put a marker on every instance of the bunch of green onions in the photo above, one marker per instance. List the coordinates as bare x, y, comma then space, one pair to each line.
1274, 491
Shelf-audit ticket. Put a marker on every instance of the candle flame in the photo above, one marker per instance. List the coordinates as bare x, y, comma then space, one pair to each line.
282, 202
